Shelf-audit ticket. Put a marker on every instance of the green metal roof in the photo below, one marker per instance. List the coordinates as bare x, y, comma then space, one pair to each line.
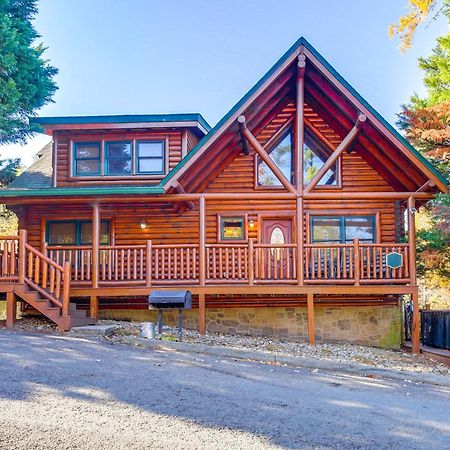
272, 70
83, 191
133, 118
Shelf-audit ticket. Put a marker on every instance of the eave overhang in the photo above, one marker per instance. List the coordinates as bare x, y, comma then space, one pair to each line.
188, 120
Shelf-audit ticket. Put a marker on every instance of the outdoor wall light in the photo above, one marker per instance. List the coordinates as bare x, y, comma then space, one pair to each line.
251, 223
143, 224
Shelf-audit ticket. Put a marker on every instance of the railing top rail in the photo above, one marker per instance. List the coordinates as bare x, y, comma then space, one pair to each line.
175, 245
226, 245
69, 247
121, 247
9, 238
323, 245
384, 245
45, 258
275, 245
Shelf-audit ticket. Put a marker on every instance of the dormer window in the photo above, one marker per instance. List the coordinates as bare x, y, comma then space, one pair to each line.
120, 158
87, 158
150, 157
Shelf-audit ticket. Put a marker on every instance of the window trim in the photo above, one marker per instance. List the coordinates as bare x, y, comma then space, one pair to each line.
102, 175
78, 223
137, 157
230, 215
270, 145
106, 160
75, 159
342, 218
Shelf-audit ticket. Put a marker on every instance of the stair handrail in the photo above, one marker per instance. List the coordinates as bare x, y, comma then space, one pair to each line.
63, 273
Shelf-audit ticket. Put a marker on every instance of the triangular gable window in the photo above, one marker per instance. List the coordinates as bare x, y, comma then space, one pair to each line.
315, 153
281, 154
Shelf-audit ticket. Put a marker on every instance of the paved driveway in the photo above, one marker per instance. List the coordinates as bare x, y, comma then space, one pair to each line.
66, 393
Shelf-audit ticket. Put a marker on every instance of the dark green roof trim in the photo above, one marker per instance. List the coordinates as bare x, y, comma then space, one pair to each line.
134, 118
272, 70
82, 191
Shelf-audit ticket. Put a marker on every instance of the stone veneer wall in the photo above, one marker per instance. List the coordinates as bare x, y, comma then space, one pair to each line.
379, 326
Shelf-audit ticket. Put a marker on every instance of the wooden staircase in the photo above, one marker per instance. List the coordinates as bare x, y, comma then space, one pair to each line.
42, 283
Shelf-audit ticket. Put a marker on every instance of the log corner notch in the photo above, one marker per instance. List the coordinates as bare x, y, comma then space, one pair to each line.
261, 151
343, 146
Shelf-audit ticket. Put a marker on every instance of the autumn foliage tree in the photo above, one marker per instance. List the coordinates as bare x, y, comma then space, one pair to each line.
426, 122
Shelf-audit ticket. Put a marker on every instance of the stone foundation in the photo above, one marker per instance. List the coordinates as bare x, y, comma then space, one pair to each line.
379, 326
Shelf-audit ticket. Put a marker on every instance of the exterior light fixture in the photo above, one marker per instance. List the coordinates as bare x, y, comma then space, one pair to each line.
251, 223
143, 224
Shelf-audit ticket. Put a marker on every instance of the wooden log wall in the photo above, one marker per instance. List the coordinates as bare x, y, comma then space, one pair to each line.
64, 155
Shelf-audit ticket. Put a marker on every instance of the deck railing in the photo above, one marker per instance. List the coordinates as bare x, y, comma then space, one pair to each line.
249, 263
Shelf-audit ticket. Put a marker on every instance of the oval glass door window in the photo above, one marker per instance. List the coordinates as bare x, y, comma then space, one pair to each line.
277, 238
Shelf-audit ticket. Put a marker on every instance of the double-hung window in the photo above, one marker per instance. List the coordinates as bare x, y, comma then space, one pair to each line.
150, 157
87, 156
118, 158
342, 229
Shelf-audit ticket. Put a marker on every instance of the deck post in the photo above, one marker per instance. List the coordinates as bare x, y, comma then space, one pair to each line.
300, 249
148, 264
11, 309
201, 313
412, 240
95, 243
66, 289
311, 327
415, 330
202, 241
93, 306
22, 255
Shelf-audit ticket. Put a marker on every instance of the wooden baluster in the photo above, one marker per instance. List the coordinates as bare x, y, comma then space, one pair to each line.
194, 263
88, 265
356, 251
4, 250
239, 263
148, 264
250, 258
13, 261
374, 262
141, 264
44, 266
233, 263
58, 284
163, 263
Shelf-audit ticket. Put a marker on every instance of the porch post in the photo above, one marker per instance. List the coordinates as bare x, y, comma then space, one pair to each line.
201, 314
202, 261
415, 329
22, 255
93, 306
412, 240
201, 240
11, 309
300, 249
311, 328
95, 243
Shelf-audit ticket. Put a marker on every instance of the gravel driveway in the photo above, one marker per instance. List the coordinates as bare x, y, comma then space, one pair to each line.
67, 393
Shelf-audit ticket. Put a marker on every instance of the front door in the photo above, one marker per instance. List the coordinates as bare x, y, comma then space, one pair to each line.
276, 258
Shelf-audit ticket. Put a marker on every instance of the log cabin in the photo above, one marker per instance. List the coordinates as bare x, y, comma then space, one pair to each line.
293, 216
